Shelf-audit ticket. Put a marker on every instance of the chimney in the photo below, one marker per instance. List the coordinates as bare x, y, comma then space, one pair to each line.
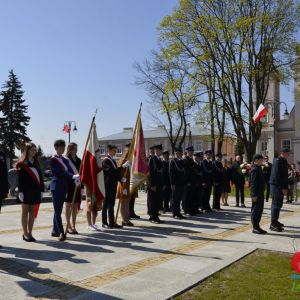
127, 129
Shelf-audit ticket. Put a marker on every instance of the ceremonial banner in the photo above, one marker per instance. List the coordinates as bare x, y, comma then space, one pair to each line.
260, 113
139, 171
92, 172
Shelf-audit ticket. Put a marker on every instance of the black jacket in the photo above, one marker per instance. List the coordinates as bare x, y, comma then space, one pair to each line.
198, 173
189, 167
279, 173
217, 171
238, 179
177, 173
148, 178
3, 177
156, 172
256, 181
166, 174
268, 173
112, 173
206, 168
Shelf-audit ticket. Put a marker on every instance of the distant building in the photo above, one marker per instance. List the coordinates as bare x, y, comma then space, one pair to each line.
200, 139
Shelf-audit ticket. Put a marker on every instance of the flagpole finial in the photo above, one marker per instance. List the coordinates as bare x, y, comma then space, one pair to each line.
96, 112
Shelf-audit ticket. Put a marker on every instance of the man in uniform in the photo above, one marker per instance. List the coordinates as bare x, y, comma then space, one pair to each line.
267, 177
178, 183
279, 187
151, 153
167, 192
207, 182
217, 170
257, 188
189, 168
238, 180
198, 157
3, 179
157, 185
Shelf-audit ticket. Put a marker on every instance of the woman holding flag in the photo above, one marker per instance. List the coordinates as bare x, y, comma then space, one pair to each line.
31, 187
74, 165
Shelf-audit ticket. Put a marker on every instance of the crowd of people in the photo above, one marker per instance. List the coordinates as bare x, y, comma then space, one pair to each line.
181, 186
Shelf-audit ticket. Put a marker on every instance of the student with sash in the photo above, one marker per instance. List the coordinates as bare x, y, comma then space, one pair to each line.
30, 190
61, 171
112, 174
74, 165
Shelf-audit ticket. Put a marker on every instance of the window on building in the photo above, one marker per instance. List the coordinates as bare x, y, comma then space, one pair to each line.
199, 146
286, 144
119, 149
264, 146
102, 149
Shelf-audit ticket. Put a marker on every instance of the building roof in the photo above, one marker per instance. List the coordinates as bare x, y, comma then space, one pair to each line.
150, 134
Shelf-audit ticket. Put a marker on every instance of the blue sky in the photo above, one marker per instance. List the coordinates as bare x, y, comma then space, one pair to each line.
74, 56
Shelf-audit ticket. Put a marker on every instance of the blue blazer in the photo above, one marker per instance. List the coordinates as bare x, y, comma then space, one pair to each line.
59, 175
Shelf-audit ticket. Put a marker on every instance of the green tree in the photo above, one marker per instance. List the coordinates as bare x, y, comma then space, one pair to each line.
13, 132
40, 151
237, 46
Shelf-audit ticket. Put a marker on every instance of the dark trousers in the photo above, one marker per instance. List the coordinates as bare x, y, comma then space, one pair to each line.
148, 200
108, 206
58, 199
188, 199
206, 191
131, 206
154, 202
268, 190
277, 201
197, 197
217, 196
239, 188
257, 210
177, 196
166, 197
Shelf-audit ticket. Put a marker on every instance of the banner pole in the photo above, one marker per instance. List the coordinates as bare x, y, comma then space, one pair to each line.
80, 169
126, 170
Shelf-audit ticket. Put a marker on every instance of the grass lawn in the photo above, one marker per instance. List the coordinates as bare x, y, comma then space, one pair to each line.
261, 275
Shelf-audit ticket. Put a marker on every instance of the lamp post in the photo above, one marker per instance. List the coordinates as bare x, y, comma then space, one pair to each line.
68, 128
274, 104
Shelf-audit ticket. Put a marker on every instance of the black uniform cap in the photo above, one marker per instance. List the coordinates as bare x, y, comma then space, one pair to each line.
158, 147
190, 148
286, 150
257, 156
208, 152
178, 150
219, 155
152, 148
128, 145
166, 153
197, 154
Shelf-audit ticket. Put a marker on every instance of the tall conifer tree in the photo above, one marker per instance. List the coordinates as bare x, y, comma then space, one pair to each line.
13, 132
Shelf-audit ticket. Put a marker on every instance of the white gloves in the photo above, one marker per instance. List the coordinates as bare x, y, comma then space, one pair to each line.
77, 183
127, 164
123, 179
42, 194
21, 197
76, 177
124, 192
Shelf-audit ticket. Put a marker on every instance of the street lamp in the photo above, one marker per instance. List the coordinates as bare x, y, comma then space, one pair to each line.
68, 128
274, 114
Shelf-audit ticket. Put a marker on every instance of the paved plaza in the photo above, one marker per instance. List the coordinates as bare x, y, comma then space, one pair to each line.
142, 262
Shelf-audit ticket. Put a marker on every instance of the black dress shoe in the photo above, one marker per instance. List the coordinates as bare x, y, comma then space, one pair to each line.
106, 226
280, 224
154, 222
258, 231
236, 205
188, 215
134, 216
267, 200
243, 205
168, 210
118, 226
177, 218
55, 234
274, 227
182, 216
127, 223
25, 239
62, 237
32, 239
160, 221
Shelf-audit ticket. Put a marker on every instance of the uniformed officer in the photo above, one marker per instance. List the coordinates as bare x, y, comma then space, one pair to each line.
279, 187
189, 168
151, 153
257, 188
3, 179
217, 170
178, 183
157, 185
207, 182
167, 191
198, 157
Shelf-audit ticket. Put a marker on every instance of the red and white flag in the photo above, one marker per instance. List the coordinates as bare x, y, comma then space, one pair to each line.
92, 171
260, 113
66, 128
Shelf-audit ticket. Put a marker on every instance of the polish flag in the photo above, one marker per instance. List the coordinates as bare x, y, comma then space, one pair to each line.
66, 128
92, 171
260, 113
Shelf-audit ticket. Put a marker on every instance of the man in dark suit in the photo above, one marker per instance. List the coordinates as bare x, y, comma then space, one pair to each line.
217, 170
60, 170
189, 168
3, 179
151, 154
167, 191
207, 182
238, 180
178, 183
198, 157
157, 185
268, 176
112, 175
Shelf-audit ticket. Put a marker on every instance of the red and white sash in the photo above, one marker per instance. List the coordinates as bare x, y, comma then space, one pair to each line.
35, 175
75, 172
61, 163
109, 160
